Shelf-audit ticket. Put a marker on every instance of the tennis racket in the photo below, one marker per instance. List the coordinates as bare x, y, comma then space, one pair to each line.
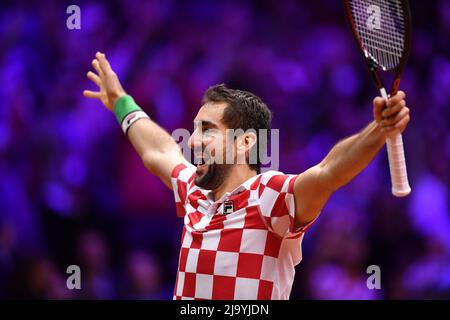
382, 29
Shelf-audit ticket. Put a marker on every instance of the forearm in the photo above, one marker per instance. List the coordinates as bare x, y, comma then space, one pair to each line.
350, 156
158, 150
147, 138
344, 161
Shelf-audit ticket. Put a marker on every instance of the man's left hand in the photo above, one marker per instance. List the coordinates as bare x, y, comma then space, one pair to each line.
392, 115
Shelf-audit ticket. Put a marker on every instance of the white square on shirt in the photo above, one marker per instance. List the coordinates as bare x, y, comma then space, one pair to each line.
235, 220
203, 286
280, 225
175, 189
203, 223
185, 174
180, 284
267, 201
246, 289
268, 267
187, 240
211, 240
254, 198
253, 241
226, 263
290, 202
203, 206
192, 258
189, 208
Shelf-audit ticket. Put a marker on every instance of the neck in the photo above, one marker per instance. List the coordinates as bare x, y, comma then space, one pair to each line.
238, 175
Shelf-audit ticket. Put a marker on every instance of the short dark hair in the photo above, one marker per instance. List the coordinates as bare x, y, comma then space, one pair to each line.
244, 111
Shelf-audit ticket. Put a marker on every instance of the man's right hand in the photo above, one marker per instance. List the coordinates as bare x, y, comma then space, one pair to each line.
107, 81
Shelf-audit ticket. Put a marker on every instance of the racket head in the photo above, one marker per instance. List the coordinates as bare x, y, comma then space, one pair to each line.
382, 29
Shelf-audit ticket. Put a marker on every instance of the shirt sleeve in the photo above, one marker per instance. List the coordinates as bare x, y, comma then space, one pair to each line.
276, 200
182, 179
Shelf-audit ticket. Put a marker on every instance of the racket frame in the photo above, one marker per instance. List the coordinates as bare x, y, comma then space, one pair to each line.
397, 163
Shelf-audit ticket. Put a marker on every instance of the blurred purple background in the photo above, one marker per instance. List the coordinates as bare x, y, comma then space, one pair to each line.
73, 191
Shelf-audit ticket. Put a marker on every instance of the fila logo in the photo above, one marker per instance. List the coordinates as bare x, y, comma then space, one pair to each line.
228, 207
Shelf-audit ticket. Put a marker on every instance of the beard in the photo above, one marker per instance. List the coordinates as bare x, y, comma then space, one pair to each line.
213, 176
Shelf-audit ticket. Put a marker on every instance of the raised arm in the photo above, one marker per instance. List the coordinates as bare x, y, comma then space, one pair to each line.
158, 151
348, 158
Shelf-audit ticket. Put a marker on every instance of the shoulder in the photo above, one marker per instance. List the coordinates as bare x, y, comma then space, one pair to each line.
184, 172
278, 181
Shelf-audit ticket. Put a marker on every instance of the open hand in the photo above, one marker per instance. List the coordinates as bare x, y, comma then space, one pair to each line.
107, 81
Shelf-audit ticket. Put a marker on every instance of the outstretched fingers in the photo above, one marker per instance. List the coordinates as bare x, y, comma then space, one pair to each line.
94, 78
97, 68
92, 94
104, 64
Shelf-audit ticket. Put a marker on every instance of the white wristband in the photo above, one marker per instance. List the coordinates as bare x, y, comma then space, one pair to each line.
132, 118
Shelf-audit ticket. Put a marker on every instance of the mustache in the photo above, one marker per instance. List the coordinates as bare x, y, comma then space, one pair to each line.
205, 156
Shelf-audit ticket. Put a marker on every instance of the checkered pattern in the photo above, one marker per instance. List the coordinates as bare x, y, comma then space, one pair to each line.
249, 253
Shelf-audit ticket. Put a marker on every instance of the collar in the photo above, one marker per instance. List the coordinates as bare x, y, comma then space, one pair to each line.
243, 187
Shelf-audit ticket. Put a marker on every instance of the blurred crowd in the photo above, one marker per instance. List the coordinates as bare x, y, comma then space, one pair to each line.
73, 191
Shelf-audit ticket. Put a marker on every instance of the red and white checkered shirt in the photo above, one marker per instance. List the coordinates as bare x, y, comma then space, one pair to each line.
242, 246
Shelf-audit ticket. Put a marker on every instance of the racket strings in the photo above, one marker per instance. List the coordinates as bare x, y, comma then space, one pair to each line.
382, 39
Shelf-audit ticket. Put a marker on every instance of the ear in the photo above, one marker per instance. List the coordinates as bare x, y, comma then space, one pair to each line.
250, 139
246, 141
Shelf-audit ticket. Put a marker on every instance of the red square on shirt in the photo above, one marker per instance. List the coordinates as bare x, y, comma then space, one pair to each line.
223, 288
197, 238
183, 258
189, 285
253, 219
249, 265
205, 262
273, 244
265, 290
276, 182
230, 240
279, 208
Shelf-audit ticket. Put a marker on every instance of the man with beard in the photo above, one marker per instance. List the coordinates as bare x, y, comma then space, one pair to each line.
242, 229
